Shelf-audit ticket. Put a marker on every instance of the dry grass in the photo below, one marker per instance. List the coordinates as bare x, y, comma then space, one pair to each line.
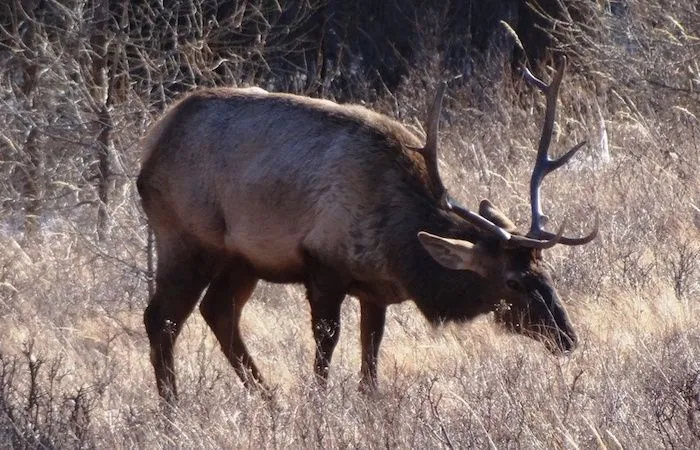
74, 369
635, 381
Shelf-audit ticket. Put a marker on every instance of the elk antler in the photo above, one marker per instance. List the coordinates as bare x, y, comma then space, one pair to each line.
430, 154
544, 165
430, 150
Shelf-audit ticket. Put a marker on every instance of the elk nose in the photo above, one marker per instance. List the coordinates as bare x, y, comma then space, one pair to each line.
561, 343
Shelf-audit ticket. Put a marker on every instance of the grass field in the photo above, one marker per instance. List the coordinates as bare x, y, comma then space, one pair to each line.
75, 372
74, 367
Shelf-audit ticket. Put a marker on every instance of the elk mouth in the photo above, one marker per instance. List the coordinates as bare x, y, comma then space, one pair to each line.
557, 336
558, 342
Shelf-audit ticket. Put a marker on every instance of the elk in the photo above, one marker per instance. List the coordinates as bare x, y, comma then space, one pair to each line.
241, 185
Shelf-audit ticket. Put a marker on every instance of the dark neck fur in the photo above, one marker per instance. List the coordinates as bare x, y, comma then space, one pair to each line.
440, 293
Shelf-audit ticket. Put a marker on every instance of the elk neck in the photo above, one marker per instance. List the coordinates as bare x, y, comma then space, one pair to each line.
441, 294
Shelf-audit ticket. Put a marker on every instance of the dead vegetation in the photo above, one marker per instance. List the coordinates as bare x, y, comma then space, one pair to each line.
74, 369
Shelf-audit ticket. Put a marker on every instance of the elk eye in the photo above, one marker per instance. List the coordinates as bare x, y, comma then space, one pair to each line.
514, 285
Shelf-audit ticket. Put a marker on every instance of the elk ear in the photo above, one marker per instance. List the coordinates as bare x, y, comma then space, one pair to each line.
452, 253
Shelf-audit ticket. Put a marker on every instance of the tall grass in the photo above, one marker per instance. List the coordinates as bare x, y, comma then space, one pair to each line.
74, 368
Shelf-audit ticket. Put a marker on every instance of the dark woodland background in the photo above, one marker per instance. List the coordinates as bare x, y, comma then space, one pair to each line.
82, 80
73, 70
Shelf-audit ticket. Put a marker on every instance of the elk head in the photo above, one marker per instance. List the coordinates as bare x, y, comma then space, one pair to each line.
510, 263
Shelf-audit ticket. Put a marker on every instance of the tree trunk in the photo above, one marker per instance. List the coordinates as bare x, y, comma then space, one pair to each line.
33, 161
101, 102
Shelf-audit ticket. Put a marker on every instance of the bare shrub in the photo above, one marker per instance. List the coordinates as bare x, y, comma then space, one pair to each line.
38, 409
74, 369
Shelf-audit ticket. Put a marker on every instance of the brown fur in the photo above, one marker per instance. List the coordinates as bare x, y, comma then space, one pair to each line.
241, 185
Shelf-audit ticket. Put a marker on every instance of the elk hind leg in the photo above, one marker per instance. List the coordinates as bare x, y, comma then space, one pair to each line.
222, 307
183, 272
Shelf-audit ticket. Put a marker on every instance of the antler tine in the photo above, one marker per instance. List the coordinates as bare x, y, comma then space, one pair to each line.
548, 241
541, 85
544, 164
574, 241
477, 220
431, 140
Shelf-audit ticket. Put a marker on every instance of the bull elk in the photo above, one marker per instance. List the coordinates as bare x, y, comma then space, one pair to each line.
241, 185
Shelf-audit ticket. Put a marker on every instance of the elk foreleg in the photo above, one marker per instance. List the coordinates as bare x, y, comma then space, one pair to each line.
326, 291
372, 318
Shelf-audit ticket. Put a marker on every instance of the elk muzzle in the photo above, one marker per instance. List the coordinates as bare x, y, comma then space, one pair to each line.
542, 317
